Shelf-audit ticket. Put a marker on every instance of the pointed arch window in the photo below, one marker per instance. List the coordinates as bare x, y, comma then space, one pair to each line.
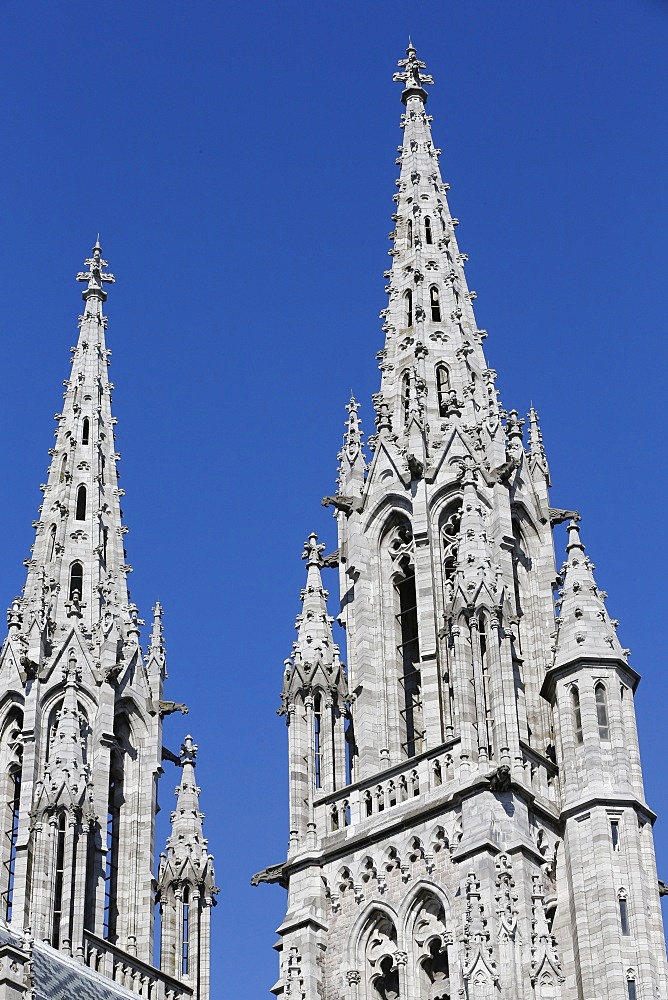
409, 656
317, 739
428, 234
631, 989
408, 306
185, 931
351, 749
442, 389
602, 711
624, 914
80, 513
59, 880
76, 580
105, 544
51, 548
409, 233
435, 304
577, 714
11, 762
85, 431
63, 469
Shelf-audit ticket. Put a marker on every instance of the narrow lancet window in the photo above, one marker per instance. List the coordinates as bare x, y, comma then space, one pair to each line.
631, 988
442, 389
614, 834
113, 844
435, 304
409, 233
317, 739
76, 581
15, 805
409, 654
85, 431
429, 238
408, 303
185, 937
577, 714
59, 879
602, 712
63, 469
80, 514
51, 551
624, 916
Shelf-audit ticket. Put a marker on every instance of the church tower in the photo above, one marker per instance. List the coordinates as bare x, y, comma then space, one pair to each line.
81, 712
467, 816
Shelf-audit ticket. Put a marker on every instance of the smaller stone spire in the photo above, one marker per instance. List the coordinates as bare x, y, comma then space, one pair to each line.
352, 465
585, 631
475, 571
65, 774
536, 450
412, 76
315, 655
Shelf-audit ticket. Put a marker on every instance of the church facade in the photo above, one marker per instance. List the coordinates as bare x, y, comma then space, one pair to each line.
467, 815
81, 711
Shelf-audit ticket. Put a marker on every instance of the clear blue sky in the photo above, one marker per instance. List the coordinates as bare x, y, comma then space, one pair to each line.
238, 161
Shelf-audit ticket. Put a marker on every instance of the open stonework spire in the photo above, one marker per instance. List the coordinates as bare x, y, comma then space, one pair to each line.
459, 798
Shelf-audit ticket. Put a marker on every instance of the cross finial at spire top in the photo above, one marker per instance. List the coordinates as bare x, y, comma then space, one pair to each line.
188, 751
312, 551
96, 275
412, 76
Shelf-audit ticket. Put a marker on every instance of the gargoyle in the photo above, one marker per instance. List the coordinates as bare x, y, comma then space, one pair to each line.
340, 502
169, 707
415, 466
558, 516
331, 561
500, 780
274, 873
173, 758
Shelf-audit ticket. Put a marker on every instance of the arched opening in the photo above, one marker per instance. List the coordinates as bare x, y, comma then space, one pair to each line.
76, 581
408, 649
51, 547
80, 513
317, 740
409, 233
63, 469
442, 389
351, 749
185, 934
602, 711
114, 828
429, 236
379, 948
85, 431
624, 915
408, 304
11, 762
577, 714
105, 543
435, 304
58, 881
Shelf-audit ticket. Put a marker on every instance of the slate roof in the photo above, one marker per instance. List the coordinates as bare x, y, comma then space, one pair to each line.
57, 977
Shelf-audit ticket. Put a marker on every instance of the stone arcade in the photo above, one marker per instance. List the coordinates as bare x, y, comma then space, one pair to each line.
467, 817
81, 712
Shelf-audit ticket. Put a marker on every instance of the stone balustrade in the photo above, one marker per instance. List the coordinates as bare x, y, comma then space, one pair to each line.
128, 971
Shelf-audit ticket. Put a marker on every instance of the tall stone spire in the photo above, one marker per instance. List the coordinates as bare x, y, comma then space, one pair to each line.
78, 807
77, 570
486, 787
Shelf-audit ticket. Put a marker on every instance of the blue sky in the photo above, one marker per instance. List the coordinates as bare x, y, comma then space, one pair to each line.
238, 161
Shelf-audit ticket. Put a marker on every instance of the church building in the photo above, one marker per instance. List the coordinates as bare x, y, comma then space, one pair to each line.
467, 815
81, 711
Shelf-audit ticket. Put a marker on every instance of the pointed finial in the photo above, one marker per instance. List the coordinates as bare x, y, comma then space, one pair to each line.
156, 641
312, 551
95, 276
188, 753
412, 76
574, 540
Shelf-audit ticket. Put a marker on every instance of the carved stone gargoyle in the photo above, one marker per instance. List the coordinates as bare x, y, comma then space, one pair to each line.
274, 873
415, 466
558, 516
331, 560
169, 707
501, 779
343, 503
